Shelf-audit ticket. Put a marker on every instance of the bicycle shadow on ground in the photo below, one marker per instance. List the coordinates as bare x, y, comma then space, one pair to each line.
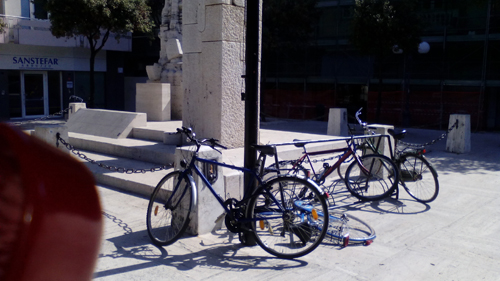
186, 256
343, 201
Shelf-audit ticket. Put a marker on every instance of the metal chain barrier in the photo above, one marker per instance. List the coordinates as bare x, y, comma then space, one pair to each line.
415, 145
104, 166
119, 222
455, 125
57, 114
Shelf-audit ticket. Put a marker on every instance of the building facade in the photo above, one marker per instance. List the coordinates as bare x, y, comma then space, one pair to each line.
459, 74
39, 72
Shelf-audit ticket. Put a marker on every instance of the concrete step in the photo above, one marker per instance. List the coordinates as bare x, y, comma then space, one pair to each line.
158, 131
142, 150
141, 183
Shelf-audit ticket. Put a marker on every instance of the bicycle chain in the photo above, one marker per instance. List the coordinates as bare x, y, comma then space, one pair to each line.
104, 166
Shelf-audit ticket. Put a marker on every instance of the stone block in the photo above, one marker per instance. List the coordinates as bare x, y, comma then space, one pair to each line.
105, 123
48, 133
74, 107
191, 38
458, 140
154, 100
224, 23
337, 122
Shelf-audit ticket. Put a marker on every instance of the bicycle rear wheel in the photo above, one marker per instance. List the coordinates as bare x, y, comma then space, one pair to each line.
375, 178
419, 178
169, 209
282, 228
349, 229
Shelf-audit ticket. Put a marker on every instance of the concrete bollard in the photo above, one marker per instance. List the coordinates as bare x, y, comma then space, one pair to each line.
74, 107
384, 143
337, 122
458, 140
48, 134
205, 214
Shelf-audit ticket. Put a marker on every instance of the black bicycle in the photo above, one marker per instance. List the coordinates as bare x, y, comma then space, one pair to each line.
417, 176
284, 214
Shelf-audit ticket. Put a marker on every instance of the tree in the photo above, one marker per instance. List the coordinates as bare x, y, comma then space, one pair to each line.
96, 20
380, 25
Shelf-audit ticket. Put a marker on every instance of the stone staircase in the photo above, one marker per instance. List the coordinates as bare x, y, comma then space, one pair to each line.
145, 148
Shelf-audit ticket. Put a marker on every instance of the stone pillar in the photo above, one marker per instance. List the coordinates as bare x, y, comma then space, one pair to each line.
74, 107
337, 122
213, 63
384, 143
208, 209
458, 140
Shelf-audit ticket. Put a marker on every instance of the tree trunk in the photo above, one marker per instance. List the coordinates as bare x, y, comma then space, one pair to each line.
91, 102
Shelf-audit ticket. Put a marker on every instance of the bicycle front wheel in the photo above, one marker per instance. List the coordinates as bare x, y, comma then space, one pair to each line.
344, 226
419, 178
169, 209
288, 221
372, 178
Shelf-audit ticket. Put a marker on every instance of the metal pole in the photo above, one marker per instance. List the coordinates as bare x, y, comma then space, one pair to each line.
251, 98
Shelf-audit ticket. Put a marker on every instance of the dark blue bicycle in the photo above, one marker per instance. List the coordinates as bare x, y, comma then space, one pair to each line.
269, 213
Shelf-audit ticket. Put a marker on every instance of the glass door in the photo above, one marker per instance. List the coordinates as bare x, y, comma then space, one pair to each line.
34, 93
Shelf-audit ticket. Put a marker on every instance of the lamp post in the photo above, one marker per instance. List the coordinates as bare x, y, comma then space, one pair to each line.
423, 48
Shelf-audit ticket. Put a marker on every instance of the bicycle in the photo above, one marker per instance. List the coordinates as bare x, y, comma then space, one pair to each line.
269, 212
368, 177
343, 227
417, 176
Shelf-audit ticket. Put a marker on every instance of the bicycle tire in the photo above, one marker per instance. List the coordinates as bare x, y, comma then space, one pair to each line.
375, 179
344, 224
292, 232
285, 166
166, 224
418, 177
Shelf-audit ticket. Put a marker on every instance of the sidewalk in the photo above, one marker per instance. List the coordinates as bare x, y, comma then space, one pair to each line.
452, 238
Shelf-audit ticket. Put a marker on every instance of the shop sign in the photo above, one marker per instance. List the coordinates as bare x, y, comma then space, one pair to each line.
35, 62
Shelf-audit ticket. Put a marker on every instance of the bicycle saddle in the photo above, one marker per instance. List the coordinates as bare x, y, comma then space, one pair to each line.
397, 134
299, 143
266, 149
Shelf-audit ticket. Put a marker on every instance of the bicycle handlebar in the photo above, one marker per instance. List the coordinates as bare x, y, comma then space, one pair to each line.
364, 124
192, 138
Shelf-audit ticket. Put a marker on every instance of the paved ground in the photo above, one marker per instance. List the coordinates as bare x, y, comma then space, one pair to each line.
453, 238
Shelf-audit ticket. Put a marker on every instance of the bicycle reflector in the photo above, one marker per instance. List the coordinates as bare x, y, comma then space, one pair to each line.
262, 225
345, 240
315, 214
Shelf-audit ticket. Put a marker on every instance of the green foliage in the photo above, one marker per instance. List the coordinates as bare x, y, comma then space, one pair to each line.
288, 23
378, 25
91, 17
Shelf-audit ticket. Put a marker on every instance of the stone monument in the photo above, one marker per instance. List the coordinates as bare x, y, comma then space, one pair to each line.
162, 96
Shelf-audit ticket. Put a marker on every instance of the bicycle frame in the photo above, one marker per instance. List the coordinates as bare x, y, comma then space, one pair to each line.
260, 189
